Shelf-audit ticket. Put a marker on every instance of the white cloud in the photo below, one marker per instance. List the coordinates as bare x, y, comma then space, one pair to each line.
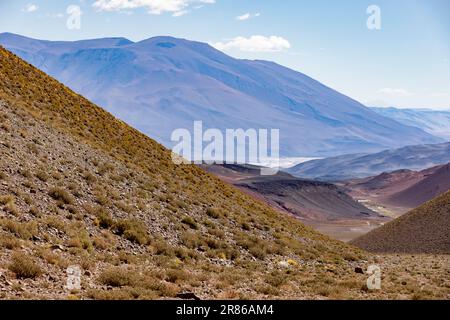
254, 44
247, 16
31, 8
395, 92
176, 7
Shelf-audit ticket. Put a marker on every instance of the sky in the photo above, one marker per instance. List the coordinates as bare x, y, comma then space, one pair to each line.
379, 52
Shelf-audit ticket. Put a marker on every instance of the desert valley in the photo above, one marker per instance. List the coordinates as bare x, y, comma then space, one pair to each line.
213, 159
80, 187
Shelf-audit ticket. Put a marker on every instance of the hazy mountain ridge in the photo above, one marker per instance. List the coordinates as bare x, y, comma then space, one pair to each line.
435, 122
161, 84
353, 166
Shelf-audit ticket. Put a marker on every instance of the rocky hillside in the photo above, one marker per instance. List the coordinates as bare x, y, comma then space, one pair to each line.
423, 230
80, 188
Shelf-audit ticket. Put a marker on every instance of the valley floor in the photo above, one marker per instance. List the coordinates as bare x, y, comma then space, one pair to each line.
346, 230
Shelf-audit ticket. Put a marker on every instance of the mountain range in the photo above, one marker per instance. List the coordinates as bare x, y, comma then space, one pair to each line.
324, 206
308, 200
163, 83
353, 166
435, 122
402, 190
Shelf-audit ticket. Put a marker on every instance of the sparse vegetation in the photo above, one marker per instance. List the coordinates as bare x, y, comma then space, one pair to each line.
23, 230
9, 242
133, 230
43, 176
116, 277
146, 227
190, 222
213, 213
62, 195
24, 266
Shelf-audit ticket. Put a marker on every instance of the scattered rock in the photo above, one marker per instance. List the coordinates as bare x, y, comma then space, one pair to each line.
57, 247
359, 270
188, 296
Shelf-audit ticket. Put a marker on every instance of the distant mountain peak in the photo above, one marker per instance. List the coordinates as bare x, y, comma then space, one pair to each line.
164, 83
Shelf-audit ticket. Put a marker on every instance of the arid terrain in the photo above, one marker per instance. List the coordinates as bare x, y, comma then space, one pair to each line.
423, 230
79, 187
397, 192
324, 206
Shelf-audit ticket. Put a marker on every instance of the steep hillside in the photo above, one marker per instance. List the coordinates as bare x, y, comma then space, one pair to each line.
163, 83
423, 230
354, 166
435, 122
80, 187
431, 186
402, 190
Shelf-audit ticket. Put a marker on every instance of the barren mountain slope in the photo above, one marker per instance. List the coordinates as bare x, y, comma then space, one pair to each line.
307, 199
402, 190
163, 83
423, 230
431, 186
79, 187
75, 178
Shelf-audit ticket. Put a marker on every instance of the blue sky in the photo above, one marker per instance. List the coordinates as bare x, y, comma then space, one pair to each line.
406, 63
